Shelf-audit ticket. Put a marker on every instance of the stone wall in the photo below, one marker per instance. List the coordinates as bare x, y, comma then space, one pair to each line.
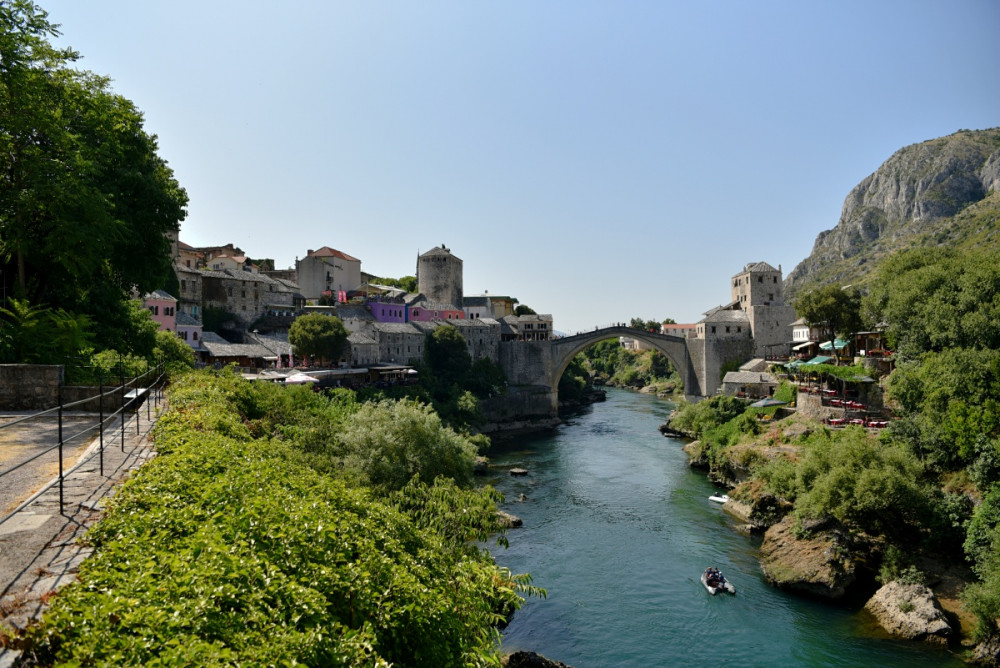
29, 387
89, 395
708, 356
525, 362
526, 402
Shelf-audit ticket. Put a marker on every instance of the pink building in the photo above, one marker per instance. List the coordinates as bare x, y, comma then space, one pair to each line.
427, 311
163, 308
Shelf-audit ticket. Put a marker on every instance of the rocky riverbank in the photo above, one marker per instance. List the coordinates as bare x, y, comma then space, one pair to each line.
824, 559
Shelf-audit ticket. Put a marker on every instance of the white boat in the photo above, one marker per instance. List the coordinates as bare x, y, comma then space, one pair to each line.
726, 586
719, 498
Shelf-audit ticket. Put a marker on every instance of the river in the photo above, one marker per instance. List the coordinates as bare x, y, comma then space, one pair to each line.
617, 528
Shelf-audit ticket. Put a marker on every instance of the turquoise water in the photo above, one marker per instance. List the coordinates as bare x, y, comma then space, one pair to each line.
618, 529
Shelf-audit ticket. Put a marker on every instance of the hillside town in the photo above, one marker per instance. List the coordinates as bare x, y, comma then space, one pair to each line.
232, 309
250, 307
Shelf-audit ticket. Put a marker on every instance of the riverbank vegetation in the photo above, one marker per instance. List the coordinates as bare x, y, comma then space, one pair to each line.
608, 363
927, 489
281, 526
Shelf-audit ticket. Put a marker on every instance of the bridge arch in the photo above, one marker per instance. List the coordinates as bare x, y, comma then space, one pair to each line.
674, 347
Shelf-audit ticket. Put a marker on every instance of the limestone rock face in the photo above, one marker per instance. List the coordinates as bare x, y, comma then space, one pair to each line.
819, 565
916, 187
910, 611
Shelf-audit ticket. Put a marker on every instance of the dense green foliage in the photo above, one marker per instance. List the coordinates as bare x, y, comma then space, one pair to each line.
85, 201
235, 545
574, 381
408, 283
613, 365
937, 299
320, 336
835, 309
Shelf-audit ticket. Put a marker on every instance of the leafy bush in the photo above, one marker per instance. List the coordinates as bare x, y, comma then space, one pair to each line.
392, 442
228, 549
696, 419
865, 484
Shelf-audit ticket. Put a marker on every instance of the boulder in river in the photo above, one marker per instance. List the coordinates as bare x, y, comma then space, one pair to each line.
819, 565
531, 660
508, 521
910, 611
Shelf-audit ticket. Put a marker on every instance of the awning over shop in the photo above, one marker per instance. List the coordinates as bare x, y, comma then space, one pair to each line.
817, 360
804, 345
840, 343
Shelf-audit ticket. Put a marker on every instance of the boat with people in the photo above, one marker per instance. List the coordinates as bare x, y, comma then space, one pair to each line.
715, 581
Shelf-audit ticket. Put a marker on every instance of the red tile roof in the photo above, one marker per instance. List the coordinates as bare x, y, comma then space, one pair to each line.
326, 251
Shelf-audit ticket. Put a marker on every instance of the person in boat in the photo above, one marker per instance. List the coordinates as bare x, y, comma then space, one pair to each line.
713, 577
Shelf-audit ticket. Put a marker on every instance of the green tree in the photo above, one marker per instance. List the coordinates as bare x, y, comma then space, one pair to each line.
866, 484
408, 283
36, 335
523, 309
933, 299
836, 309
447, 355
173, 351
85, 202
392, 442
318, 335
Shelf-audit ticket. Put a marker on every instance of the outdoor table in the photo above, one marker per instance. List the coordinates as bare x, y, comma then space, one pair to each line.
858, 421
836, 421
836, 402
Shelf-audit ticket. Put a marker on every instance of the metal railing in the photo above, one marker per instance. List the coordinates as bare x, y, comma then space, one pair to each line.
129, 394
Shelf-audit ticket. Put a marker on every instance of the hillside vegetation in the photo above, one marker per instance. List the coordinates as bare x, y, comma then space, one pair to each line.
941, 193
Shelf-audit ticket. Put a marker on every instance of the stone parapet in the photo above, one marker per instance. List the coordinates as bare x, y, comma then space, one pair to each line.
29, 387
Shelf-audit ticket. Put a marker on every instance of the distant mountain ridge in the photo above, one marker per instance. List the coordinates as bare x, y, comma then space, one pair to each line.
941, 192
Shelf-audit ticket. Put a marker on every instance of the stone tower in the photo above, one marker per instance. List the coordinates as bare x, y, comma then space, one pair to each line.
758, 291
439, 276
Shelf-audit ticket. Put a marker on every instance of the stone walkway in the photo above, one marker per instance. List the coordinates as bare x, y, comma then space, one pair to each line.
40, 547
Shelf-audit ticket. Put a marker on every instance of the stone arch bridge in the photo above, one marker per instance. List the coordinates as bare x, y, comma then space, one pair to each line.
535, 367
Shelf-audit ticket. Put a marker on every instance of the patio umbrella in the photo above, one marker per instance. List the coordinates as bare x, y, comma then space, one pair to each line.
300, 378
769, 401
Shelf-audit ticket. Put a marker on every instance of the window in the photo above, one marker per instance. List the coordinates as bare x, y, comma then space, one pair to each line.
183, 285
727, 329
229, 291
770, 296
155, 310
775, 279
739, 329
713, 329
760, 279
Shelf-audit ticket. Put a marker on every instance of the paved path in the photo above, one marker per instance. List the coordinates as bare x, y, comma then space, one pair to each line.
40, 547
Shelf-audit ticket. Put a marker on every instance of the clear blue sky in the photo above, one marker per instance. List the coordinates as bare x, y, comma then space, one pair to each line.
596, 160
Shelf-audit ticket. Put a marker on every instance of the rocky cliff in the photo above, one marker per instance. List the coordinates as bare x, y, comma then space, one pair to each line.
916, 198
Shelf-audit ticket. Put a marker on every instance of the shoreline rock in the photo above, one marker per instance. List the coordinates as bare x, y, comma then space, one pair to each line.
819, 565
531, 660
910, 611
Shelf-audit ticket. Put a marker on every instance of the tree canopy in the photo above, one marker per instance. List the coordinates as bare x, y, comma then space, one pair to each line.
318, 335
835, 308
85, 201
